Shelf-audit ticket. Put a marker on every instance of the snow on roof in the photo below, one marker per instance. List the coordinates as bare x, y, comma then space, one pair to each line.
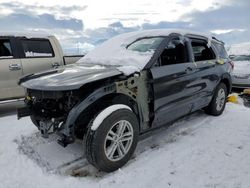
240, 49
25, 34
114, 52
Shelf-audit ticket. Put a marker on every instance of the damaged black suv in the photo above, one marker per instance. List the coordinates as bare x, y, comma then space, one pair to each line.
126, 87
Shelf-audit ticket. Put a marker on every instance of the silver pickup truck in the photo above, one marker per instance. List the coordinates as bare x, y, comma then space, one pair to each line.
22, 54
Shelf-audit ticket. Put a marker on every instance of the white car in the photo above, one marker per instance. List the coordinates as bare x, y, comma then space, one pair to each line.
241, 72
240, 55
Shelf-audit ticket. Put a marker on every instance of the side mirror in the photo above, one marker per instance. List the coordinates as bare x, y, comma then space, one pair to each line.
231, 56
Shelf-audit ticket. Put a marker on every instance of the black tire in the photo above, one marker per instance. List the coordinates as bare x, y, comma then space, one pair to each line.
95, 141
212, 108
34, 120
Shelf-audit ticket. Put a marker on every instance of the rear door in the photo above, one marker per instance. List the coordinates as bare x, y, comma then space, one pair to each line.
207, 72
173, 77
10, 69
37, 55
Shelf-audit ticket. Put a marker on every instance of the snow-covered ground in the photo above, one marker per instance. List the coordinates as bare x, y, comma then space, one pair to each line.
197, 151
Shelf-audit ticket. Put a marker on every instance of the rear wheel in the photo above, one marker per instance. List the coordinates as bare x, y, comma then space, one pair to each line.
218, 103
113, 143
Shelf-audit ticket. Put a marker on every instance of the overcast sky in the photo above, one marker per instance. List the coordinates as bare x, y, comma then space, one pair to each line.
83, 24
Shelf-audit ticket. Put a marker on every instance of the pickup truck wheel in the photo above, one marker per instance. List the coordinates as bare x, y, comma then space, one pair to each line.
113, 143
218, 103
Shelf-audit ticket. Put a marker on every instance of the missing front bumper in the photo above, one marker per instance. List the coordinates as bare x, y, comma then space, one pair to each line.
23, 112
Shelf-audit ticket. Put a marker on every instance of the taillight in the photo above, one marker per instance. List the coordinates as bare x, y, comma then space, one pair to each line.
232, 64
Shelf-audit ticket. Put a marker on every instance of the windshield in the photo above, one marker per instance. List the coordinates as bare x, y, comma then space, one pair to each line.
240, 58
146, 44
127, 52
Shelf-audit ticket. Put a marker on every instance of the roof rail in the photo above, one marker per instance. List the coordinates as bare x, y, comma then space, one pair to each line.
218, 40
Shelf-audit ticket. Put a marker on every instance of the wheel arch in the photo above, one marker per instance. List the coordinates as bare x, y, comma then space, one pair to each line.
91, 110
226, 79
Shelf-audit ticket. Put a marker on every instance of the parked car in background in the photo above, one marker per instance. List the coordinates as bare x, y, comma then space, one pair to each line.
240, 55
22, 54
127, 87
241, 72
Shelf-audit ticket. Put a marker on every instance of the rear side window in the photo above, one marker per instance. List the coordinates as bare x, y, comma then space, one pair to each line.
220, 50
201, 51
37, 48
5, 49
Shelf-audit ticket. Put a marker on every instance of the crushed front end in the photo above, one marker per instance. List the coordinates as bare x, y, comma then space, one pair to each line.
48, 109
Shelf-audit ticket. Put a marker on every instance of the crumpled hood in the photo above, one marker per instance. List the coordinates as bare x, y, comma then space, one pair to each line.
67, 78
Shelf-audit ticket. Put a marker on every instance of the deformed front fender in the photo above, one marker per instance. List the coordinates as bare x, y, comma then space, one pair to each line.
68, 127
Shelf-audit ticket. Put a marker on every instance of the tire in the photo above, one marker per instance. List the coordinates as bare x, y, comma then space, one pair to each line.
98, 144
218, 103
34, 120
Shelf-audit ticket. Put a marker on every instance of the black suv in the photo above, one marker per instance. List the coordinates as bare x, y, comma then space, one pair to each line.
126, 87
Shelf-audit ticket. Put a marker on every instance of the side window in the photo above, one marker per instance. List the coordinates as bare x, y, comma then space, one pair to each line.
201, 51
37, 48
5, 49
176, 52
220, 50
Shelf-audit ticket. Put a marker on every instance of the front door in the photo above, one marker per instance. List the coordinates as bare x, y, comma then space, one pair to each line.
173, 83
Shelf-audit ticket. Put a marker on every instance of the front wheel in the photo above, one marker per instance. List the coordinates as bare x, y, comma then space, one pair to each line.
112, 144
218, 103
34, 120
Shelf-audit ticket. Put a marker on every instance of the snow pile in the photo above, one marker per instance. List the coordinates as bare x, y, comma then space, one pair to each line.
198, 151
240, 49
128, 69
105, 113
114, 51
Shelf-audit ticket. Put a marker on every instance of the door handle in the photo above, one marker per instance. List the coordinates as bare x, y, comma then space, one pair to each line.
15, 67
55, 65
